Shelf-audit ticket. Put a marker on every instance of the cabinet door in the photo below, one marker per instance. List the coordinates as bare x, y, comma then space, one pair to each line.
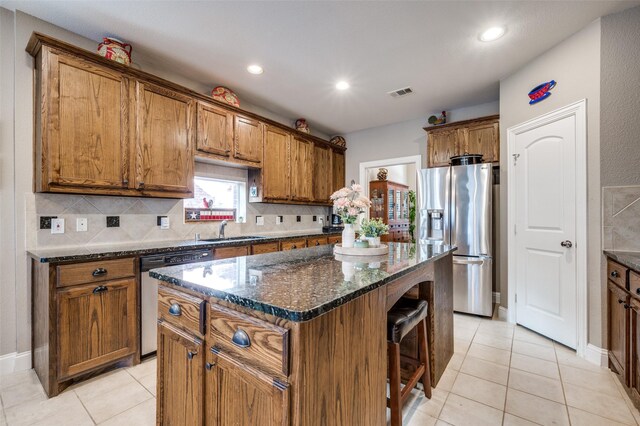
166, 122
180, 399
248, 139
275, 167
86, 125
215, 130
634, 370
441, 146
338, 176
483, 138
301, 170
96, 325
322, 184
240, 395
618, 302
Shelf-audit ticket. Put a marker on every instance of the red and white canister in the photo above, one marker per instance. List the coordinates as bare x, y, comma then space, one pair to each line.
116, 50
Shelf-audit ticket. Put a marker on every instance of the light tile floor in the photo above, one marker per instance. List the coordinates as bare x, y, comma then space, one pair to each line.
500, 374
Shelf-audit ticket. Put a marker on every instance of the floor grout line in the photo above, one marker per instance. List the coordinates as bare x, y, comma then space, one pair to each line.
83, 406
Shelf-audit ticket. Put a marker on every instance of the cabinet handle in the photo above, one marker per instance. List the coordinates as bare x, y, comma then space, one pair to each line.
191, 354
615, 274
125, 182
209, 365
317, 243
175, 310
227, 151
620, 301
141, 185
99, 272
241, 339
100, 289
638, 290
293, 247
626, 306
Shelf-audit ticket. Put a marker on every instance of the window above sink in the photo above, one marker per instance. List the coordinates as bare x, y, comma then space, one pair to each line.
216, 200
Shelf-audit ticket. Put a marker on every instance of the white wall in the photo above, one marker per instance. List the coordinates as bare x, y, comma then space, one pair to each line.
400, 173
575, 65
401, 139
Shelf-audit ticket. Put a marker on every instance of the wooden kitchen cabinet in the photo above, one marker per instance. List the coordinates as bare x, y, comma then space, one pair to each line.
166, 126
248, 139
214, 130
476, 136
390, 203
241, 395
276, 184
83, 141
229, 252
634, 346
181, 381
322, 173
301, 169
293, 244
618, 304
338, 166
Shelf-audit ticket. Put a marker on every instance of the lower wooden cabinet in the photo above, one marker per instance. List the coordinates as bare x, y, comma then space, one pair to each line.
634, 343
240, 395
265, 248
293, 244
618, 301
181, 384
228, 252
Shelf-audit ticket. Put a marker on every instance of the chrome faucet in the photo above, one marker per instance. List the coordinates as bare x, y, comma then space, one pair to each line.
221, 230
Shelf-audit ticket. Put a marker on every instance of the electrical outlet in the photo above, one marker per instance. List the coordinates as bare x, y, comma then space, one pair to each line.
57, 226
279, 220
259, 221
164, 222
298, 218
81, 224
314, 219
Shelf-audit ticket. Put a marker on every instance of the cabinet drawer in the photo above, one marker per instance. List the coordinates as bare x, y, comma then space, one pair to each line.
265, 248
634, 283
312, 242
335, 239
84, 273
182, 310
617, 273
228, 252
251, 340
293, 244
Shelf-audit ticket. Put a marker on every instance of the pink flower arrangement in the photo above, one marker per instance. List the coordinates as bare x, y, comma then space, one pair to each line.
349, 203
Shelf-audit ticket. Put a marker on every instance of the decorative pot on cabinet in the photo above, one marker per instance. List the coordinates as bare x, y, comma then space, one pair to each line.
224, 94
116, 50
301, 124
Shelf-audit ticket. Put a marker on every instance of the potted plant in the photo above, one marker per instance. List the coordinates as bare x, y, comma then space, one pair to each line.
349, 203
372, 230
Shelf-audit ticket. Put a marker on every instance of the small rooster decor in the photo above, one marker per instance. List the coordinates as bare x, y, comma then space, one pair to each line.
433, 120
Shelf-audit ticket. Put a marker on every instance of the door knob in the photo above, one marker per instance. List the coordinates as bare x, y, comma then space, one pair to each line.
567, 244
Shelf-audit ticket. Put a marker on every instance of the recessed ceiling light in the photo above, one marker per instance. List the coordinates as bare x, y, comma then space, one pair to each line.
255, 69
492, 34
342, 85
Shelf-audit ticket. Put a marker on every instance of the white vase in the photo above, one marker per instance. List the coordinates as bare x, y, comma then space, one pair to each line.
348, 270
373, 241
348, 235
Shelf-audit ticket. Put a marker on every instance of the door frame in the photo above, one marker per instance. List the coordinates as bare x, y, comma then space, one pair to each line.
579, 111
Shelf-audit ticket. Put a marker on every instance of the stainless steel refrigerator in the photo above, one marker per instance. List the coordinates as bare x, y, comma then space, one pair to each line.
455, 207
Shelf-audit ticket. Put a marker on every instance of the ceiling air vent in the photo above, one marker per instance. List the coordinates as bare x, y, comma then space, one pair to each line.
401, 92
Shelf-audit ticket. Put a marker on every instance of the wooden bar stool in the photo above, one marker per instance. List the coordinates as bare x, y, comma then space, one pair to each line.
401, 319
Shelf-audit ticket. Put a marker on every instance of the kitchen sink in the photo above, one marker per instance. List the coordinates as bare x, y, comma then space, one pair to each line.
247, 237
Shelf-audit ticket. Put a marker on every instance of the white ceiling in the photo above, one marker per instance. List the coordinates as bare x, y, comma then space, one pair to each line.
306, 46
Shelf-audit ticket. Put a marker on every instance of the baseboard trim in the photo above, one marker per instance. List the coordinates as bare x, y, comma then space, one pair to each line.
496, 297
15, 361
503, 313
596, 355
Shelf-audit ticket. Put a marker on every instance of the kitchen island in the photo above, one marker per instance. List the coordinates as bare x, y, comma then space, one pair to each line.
292, 338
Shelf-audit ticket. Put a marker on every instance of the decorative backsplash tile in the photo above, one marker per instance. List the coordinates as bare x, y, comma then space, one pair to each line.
621, 218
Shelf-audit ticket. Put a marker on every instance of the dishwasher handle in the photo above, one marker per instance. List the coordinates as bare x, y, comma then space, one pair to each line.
467, 262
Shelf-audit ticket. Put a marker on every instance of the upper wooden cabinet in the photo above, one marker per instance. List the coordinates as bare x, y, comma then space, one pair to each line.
338, 166
164, 147
276, 182
248, 139
478, 136
322, 174
82, 129
215, 130
301, 169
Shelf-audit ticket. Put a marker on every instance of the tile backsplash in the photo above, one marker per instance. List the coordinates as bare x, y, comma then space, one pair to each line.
138, 220
621, 218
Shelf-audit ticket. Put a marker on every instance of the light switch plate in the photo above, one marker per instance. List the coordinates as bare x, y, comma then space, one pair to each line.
164, 222
279, 220
81, 224
259, 220
57, 226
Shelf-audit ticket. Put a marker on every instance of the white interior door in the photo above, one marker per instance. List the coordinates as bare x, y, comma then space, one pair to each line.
545, 229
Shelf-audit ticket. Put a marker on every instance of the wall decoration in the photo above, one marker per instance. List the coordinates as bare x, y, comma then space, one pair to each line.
541, 92
223, 94
382, 173
433, 120
301, 124
116, 50
339, 140
195, 214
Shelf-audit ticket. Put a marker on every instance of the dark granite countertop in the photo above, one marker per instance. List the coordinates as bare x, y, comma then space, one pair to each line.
107, 251
301, 284
629, 259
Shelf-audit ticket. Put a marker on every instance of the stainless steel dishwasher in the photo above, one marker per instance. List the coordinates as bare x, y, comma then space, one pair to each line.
149, 291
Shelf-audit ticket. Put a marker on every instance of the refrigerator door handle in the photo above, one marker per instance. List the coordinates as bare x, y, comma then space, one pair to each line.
467, 262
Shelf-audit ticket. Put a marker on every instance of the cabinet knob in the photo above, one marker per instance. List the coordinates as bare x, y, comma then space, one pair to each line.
100, 289
615, 274
317, 243
125, 182
175, 310
638, 290
99, 272
293, 247
626, 306
191, 354
241, 339
209, 365
620, 301
141, 185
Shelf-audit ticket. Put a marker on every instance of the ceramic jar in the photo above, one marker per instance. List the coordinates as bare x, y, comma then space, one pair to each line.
348, 235
382, 173
301, 124
114, 49
374, 242
223, 94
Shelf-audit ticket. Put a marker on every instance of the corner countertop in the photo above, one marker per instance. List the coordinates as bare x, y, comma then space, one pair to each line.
108, 251
301, 284
629, 259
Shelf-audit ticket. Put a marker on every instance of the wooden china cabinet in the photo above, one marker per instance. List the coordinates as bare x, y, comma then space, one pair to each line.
390, 202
